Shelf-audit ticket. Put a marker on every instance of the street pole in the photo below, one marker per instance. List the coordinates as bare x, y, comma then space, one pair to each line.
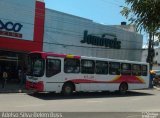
150, 48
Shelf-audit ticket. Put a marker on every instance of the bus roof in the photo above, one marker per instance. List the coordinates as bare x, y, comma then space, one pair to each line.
47, 54
114, 60
51, 54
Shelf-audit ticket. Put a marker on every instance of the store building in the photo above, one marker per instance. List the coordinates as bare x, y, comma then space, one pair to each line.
156, 58
66, 33
21, 31
26, 25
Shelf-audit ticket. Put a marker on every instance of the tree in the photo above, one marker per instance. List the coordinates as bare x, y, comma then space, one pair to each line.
145, 15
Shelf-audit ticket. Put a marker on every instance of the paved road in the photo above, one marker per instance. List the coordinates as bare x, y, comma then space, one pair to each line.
134, 101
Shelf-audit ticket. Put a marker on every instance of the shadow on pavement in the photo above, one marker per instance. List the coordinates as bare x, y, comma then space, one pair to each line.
86, 95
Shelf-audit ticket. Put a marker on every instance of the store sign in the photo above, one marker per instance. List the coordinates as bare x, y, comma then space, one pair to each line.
10, 26
10, 29
101, 41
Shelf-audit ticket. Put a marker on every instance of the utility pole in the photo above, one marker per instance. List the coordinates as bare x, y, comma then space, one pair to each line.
150, 51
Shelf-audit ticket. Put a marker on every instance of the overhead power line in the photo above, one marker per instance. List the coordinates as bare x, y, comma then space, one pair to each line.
115, 3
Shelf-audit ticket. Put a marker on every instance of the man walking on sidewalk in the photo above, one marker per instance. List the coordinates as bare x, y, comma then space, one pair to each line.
22, 77
4, 78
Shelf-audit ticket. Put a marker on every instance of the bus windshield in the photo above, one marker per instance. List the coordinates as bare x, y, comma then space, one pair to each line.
35, 65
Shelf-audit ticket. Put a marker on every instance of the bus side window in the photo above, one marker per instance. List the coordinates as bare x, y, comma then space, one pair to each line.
101, 67
144, 70
87, 66
71, 65
53, 67
136, 69
114, 68
125, 69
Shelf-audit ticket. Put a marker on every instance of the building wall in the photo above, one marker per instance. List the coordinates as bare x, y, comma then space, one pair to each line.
63, 33
156, 59
24, 15
21, 25
144, 55
21, 31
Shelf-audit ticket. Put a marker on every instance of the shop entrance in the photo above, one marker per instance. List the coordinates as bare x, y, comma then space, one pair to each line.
12, 62
11, 68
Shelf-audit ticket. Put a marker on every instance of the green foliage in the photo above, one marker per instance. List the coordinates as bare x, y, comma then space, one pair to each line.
145, 14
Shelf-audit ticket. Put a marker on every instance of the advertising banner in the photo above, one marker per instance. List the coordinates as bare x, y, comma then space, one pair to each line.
17, 19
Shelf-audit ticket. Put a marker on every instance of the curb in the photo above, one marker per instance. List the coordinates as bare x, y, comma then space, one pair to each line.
157, 88
15, 91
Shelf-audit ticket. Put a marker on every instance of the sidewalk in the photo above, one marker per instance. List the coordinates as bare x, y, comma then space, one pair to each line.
12, 88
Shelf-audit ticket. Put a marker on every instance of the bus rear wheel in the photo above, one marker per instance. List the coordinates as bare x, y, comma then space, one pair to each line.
123, 88
67, 89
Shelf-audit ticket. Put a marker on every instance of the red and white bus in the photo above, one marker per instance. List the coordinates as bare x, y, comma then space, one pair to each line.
50, 72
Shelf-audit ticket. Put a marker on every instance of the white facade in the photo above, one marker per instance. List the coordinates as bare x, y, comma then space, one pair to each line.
63, 33
144, 55
156, 59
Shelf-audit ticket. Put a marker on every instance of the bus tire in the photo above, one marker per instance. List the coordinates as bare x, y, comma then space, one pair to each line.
67, 89
123, 88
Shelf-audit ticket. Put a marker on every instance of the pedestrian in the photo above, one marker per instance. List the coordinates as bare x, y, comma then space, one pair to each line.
4, 78
22, 77
1, 75
152, 76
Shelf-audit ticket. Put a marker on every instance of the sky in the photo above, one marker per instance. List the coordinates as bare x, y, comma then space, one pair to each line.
101, 11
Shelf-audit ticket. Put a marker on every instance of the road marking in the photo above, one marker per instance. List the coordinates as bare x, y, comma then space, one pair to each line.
134, 99
153, 110
135, 116
36, 105
93, 101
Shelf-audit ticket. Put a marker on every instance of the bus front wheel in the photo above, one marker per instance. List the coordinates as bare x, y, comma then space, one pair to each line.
123, 88
67, 89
